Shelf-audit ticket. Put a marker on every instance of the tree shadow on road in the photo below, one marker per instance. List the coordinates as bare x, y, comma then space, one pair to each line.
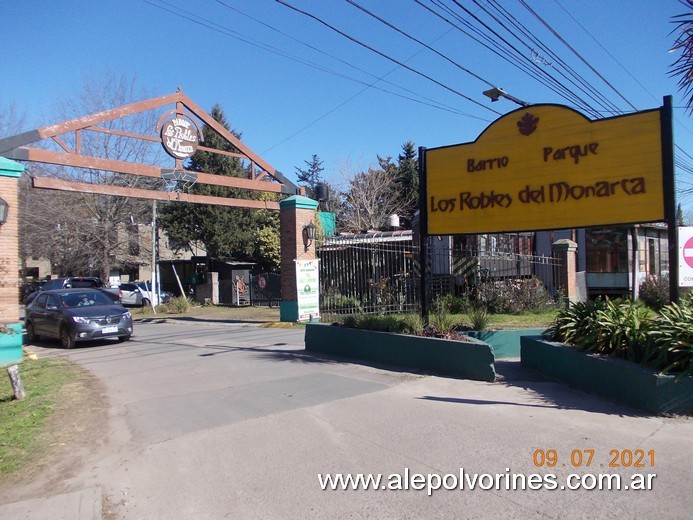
555, 394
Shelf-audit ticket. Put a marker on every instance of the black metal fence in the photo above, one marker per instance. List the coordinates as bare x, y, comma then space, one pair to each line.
265, 289
380, 272
375, 272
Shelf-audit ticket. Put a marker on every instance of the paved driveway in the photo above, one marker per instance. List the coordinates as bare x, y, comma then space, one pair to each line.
212, 421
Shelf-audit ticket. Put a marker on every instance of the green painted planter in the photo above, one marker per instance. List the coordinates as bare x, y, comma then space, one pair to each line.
505, 343
465, 360
11, 345
611, 378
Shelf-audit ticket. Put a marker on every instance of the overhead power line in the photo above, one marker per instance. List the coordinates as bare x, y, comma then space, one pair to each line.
387, 57
579, 56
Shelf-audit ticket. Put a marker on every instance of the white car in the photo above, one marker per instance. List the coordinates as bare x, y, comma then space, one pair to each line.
130, 294
145, 290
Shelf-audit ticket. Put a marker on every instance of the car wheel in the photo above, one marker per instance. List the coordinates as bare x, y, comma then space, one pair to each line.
67, 338
122, 339
145, 302
31, 333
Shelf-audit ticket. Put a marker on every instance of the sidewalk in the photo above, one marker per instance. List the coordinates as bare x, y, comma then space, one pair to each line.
78, 505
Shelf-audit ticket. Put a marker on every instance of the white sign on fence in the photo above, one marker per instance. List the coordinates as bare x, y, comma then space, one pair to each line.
307, 287
686, 257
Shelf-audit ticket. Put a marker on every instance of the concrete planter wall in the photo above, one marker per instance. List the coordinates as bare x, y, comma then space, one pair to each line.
505, 343
11, 345
615, 379
466, 360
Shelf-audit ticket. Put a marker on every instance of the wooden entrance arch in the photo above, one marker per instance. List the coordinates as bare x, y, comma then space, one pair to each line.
65, 140
262, 176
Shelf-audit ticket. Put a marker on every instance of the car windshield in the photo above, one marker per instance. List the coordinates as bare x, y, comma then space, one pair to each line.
84, 299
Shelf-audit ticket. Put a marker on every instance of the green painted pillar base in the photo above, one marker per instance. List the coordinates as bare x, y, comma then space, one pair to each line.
11, 344
288, 310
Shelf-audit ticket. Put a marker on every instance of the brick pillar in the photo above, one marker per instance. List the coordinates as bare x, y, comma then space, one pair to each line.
9, 243
565, 251
294, 214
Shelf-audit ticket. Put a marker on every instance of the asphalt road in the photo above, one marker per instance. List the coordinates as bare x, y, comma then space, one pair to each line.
213, 421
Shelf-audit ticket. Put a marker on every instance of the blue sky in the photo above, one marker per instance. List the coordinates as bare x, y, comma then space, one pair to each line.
295, 87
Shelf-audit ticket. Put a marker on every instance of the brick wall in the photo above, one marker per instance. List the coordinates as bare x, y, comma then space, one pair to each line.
9, 253
292, 222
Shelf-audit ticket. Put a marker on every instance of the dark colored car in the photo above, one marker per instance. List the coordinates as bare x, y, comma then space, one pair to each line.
72, 315
81, 282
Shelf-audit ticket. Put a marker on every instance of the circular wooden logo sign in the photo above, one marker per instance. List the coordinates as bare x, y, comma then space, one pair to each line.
179, 137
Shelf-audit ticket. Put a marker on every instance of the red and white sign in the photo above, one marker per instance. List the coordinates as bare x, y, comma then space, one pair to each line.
686, 257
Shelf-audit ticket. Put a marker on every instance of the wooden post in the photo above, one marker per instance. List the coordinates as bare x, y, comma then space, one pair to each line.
17, 387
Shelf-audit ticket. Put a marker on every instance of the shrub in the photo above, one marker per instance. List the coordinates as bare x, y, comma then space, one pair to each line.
514, 296
574, 325
663, 342
654, 291
178, 305
452, 304
398, 323
671, 339
442, 320
479, 318
401, 324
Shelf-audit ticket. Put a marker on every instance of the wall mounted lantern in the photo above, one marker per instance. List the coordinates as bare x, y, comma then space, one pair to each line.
3, 211
308, 235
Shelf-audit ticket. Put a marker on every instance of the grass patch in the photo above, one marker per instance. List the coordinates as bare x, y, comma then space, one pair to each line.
212, 312
22, 423
534, 320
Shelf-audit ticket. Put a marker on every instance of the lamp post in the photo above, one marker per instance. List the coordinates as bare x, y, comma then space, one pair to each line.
496, 93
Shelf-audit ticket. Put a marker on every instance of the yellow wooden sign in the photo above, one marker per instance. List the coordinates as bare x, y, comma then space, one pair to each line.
548, 167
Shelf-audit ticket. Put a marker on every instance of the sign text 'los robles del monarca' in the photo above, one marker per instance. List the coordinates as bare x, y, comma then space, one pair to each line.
548, 167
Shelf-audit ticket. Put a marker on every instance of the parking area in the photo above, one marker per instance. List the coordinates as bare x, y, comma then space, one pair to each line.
234, 420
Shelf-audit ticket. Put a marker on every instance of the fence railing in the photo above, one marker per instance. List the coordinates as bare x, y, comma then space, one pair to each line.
380, 273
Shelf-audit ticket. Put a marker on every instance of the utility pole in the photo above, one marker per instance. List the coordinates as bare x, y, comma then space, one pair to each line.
154, 266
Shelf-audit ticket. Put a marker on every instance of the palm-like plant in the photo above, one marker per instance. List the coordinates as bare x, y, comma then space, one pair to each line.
683, 66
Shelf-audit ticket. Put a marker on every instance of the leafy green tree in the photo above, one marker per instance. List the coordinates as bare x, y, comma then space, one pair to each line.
225, 232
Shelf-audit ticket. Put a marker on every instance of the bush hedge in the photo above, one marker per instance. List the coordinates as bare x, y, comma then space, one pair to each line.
660, 340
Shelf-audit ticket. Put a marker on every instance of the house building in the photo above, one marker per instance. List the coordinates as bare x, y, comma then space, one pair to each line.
614, 260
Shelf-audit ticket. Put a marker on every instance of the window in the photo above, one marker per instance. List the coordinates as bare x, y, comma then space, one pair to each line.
607, 250
53, 302
41, 301
652, 264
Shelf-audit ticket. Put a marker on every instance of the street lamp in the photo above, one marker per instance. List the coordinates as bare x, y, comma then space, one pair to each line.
496, 93
308, 235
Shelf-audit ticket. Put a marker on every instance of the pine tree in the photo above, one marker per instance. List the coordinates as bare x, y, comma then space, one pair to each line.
408, 180
311, 176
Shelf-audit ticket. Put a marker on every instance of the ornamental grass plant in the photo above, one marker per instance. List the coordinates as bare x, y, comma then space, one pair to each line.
662, 341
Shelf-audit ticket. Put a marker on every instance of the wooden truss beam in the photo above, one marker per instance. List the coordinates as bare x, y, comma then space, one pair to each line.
95, 163
16, 147
122, 191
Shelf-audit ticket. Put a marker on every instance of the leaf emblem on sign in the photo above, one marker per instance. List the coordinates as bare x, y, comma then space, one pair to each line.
527, 124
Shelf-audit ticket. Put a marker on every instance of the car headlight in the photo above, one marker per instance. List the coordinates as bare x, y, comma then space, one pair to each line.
80, 319
127, 316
